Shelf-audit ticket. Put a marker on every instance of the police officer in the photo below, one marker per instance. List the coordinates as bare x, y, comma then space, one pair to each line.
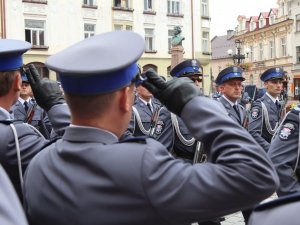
284, 152
284, 210
185, 146
90, 177
144, 108
19, 142
11, 209
230, 81
27, 110
267, 111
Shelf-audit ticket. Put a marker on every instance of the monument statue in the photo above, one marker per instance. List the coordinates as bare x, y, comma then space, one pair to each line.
177, 38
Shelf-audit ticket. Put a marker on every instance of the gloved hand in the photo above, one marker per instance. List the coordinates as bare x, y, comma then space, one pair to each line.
47, 93
174, 94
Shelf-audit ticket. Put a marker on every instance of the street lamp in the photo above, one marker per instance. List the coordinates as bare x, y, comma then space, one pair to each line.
238, 58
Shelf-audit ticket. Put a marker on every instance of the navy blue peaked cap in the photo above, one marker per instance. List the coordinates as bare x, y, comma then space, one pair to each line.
271, 74
99, 64
228, 73
11, 53
186, 68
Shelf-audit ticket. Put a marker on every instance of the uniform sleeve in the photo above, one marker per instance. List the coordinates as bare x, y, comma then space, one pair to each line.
283, 153
11, 212
256, 124
60, 118
238, 173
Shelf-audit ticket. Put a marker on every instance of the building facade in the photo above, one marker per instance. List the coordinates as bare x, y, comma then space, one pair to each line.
269, 36
52, 25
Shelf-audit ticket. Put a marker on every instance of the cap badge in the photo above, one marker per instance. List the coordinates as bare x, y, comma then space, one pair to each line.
194, 62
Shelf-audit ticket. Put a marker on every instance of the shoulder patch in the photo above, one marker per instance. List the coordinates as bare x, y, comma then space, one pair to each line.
286, 131
137, 139
255, 112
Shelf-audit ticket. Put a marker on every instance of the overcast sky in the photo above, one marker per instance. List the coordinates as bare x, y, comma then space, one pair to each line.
224, 13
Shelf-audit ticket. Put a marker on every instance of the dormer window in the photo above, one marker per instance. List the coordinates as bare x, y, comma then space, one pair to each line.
261, 22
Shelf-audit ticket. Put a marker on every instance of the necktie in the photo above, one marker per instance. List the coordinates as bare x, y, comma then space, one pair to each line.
149, 106
26, 106
277, 105
236, 109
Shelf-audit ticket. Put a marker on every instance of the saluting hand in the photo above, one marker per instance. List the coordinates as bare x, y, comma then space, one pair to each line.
47, 93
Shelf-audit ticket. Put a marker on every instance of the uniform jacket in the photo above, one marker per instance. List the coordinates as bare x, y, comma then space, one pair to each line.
11, 209
30, 141
232, 113
258, 123
283, 152
89, 177
284, 210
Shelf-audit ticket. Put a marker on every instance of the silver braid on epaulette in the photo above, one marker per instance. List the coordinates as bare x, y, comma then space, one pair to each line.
139, 122
267, 121
179, 135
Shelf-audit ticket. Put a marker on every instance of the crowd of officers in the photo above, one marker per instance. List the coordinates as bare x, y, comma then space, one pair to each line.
124, 147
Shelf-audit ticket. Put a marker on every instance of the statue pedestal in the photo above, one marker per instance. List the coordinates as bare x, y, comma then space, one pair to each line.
177, 55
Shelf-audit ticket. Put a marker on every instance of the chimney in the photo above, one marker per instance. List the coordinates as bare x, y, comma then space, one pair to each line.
230, 33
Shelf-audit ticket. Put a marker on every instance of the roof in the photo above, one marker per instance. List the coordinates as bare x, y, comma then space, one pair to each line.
220, 45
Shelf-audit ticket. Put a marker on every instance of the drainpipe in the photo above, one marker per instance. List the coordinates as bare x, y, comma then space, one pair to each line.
192, 19
3, 21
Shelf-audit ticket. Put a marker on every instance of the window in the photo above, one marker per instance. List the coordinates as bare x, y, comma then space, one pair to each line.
174, 7
149, 39
121, 3
282, 9
298, 54
298, 22
205, 42
204, 8
170, 35
252, 26
261, 51
271, 49
251, 53
35, 32
122, 27
89, 30
148, 5
261, 22
89, 2
283, 46
272, 19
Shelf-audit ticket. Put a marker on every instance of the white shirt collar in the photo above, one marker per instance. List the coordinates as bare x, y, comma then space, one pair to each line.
230, 102
273, 99
22, 100
150, 102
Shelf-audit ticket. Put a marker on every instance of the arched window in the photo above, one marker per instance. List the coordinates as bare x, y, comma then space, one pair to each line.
251, 79
148, 66
42, 69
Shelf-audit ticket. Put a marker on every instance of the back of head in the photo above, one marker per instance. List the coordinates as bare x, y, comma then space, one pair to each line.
97, 66
11, 61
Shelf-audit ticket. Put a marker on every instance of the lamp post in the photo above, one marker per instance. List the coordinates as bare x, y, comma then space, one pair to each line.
238, 58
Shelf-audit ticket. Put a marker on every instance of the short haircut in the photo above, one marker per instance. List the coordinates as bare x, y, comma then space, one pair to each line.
6, 81
89, 106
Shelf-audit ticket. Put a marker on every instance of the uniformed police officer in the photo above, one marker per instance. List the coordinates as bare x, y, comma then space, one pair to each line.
284, 210
89, 177
267, 111
230, 81
185, 146
11, 211
27, 110
284, 152
19, 142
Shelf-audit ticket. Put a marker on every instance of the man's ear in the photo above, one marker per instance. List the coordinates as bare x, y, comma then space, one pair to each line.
126, 98
17, 84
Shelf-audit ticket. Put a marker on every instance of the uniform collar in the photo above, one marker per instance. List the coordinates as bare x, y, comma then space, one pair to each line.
4, 114
230, 102
273, 99
150, 102
22, 100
